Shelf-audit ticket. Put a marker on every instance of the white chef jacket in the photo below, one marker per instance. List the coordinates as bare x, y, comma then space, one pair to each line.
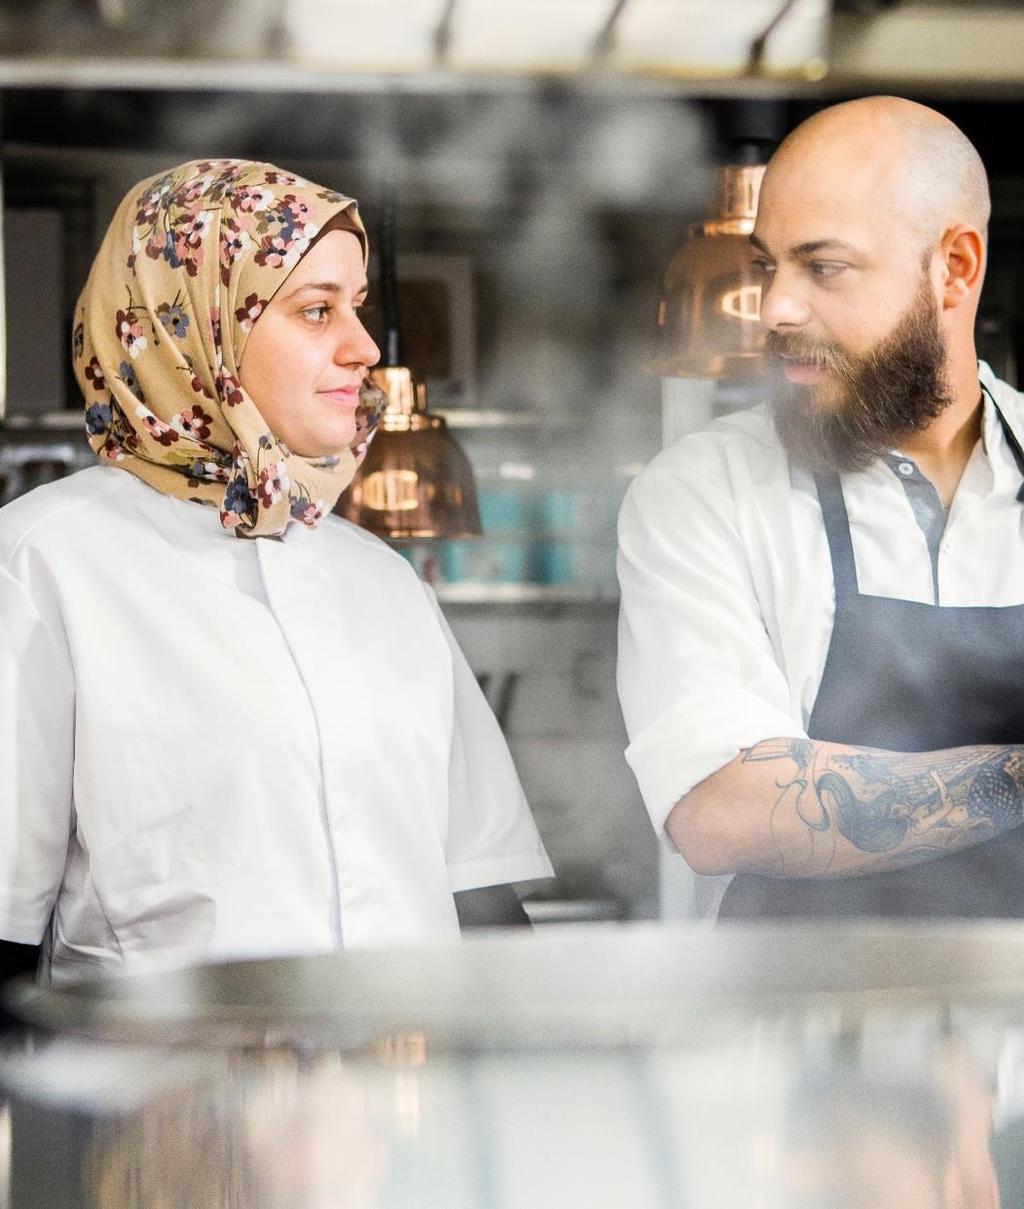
214, 748
727, 592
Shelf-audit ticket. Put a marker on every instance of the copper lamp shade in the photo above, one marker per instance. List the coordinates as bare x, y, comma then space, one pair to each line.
415, 481
708, 318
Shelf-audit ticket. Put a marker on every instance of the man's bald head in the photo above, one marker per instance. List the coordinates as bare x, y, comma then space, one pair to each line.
916, 164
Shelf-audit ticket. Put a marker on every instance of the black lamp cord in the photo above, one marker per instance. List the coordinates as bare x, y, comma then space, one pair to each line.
388, 277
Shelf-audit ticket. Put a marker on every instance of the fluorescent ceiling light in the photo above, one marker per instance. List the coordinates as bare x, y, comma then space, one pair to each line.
369, 35
533, 34
716, 36
698, 37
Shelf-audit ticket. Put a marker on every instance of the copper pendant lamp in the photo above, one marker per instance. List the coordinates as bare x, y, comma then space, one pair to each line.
709, 314
415, 480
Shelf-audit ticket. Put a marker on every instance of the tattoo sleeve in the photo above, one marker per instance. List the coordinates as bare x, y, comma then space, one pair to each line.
843, 810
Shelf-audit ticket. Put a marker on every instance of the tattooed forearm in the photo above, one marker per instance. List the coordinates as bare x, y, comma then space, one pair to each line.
890, 808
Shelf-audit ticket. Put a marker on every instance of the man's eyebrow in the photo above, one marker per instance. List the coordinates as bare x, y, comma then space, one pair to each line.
809, 248
824, 245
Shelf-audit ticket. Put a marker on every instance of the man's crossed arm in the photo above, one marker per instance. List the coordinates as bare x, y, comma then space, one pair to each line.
804, 808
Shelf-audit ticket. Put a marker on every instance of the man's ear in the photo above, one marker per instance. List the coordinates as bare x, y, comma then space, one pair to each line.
962, 252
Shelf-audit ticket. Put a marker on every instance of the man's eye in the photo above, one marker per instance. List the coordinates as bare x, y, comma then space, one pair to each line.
762, 267
827, 268
318, 314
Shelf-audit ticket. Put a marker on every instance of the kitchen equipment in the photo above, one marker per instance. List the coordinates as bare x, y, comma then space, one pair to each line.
642, 983
34, 453
487, 560
591, 1064
602, 1065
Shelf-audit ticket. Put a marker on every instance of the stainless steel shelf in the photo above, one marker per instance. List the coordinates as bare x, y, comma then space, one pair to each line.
465, 418
70, 421
525, 594
571, 911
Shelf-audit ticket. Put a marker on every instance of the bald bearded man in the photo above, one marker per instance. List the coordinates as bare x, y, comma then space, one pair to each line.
822, 632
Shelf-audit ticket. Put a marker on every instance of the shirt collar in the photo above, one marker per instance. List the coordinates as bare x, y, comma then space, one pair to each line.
998, 455
189, 524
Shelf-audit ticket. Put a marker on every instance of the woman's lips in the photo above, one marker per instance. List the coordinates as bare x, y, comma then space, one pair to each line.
345, 396
803, 373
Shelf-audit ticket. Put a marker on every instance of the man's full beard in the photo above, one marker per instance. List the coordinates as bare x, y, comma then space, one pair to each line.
899, 387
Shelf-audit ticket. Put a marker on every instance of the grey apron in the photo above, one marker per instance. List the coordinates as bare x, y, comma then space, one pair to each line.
906, 676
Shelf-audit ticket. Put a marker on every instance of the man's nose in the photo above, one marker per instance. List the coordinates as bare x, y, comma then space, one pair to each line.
782, 305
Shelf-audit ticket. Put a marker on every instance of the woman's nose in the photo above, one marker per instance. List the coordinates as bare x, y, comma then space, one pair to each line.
357, 346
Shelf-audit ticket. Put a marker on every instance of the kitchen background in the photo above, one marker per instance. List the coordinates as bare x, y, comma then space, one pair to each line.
536, 214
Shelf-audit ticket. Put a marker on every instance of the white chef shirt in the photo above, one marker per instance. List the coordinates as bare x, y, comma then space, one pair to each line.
215, 748
727, 592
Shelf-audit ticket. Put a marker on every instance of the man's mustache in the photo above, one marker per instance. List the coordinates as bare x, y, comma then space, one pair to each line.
794, 346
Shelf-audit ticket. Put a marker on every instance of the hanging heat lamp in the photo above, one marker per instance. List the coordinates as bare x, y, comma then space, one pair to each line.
709, 313
415, 480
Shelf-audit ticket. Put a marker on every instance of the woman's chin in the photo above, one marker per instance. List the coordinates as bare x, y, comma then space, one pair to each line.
324, 444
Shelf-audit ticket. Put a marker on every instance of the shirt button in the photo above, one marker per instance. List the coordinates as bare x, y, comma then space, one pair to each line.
906, 469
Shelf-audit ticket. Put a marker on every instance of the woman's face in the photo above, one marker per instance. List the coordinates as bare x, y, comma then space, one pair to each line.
308, 352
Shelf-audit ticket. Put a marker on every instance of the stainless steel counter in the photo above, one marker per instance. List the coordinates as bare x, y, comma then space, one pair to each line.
602, 1065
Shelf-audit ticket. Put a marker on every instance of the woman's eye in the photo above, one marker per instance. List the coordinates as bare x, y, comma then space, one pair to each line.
317, 314
762, 267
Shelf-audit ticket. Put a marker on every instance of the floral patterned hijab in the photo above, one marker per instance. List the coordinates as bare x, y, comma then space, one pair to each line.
190, 260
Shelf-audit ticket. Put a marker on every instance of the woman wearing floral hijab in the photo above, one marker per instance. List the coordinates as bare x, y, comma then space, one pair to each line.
232, 723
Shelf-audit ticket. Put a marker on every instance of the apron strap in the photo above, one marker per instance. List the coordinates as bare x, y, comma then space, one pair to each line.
837, 530
1011, 440
837, 519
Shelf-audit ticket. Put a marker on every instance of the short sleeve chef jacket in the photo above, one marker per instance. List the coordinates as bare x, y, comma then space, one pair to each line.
215, 748
727, 593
